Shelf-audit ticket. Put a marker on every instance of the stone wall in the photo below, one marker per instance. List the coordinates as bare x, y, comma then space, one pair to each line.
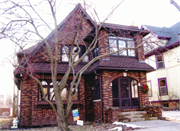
156, 111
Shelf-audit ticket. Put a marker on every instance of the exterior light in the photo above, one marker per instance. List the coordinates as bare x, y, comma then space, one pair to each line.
125, 74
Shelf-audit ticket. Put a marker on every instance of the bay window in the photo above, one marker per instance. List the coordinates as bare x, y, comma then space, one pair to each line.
117, 43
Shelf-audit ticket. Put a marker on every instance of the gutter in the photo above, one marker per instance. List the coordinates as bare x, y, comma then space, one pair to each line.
100, 95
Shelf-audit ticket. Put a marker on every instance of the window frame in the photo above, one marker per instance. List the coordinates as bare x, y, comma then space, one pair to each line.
150, 89
160, 87
157, 67
79, 55
51, 86
126, 40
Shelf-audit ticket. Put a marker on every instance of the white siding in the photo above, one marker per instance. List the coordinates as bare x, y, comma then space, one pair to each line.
171, 72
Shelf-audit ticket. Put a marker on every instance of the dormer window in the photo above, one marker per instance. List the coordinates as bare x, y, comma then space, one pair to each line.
118, 43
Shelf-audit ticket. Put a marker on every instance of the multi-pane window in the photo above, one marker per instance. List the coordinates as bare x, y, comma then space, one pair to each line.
49, 91
162, 86
159, 61
66, 52
119, 43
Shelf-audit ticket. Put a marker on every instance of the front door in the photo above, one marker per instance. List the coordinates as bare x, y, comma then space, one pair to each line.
125, 93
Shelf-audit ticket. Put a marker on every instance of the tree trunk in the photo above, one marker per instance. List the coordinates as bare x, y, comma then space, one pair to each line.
61, 119
62, 124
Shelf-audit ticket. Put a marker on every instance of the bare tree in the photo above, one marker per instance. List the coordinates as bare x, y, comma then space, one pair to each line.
9, 102
175, 4
23, 23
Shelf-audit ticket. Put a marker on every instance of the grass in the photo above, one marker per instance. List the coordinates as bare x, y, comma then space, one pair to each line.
3, 121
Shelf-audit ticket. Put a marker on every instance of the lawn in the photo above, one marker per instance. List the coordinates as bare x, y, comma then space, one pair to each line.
5, 121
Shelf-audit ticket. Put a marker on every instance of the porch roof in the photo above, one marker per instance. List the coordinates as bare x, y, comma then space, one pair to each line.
112, 62
121, 63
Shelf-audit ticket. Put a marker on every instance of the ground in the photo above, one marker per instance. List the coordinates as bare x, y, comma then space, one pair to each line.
172, 116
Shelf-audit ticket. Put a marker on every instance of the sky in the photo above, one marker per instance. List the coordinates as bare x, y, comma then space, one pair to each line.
131, 12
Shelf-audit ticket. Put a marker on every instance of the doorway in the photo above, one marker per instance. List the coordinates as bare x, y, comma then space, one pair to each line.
125, 93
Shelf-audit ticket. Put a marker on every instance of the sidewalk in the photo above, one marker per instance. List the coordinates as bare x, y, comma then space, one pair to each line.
161, 125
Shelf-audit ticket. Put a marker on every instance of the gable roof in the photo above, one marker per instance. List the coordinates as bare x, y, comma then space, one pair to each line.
34, 49
124, 27
172, 34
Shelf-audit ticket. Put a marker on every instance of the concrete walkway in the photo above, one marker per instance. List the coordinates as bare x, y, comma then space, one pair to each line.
161, 125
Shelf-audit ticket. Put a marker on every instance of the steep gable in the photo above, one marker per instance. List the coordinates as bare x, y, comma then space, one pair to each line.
66, 31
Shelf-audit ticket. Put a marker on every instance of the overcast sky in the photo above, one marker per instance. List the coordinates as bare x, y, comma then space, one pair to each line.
137, 12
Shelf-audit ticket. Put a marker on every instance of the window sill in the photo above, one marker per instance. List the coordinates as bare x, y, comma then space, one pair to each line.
44, 104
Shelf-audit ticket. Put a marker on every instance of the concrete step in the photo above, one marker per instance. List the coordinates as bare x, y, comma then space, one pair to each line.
133, 113
137, 119
134, 116
151, 118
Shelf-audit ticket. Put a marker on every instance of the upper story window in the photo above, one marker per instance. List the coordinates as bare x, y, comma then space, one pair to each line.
159, 61
117, 43
96, 51
66, 52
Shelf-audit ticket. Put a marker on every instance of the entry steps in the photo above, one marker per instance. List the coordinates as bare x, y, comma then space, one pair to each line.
134, 116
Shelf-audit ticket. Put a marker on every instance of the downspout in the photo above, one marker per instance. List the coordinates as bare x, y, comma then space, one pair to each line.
100, 96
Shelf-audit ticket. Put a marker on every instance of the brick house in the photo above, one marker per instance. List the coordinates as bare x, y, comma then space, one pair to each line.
98, 96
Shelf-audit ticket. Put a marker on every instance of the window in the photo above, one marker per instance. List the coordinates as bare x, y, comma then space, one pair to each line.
66, 52
117, 43
96, 51
150, 88
49, 91
162, 86
96, 89
159, 61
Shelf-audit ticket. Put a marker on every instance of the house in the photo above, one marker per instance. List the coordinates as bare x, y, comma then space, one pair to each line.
110, 85
165, 80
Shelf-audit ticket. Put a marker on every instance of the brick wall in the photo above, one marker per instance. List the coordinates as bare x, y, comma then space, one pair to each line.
26, 103
33, 115
97, 110
66, 33
108, 77
140, 50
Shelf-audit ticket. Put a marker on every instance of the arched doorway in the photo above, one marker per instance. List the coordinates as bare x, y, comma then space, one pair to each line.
125, 93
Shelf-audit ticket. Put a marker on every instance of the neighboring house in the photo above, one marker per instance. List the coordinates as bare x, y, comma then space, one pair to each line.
110, 85
165, 80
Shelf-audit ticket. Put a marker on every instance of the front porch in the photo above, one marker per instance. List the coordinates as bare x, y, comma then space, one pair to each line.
123, 94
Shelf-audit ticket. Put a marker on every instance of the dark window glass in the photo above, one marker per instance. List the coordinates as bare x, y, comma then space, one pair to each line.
97, 89
96, 51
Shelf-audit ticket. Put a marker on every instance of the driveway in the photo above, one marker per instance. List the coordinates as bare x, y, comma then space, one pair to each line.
161, 125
